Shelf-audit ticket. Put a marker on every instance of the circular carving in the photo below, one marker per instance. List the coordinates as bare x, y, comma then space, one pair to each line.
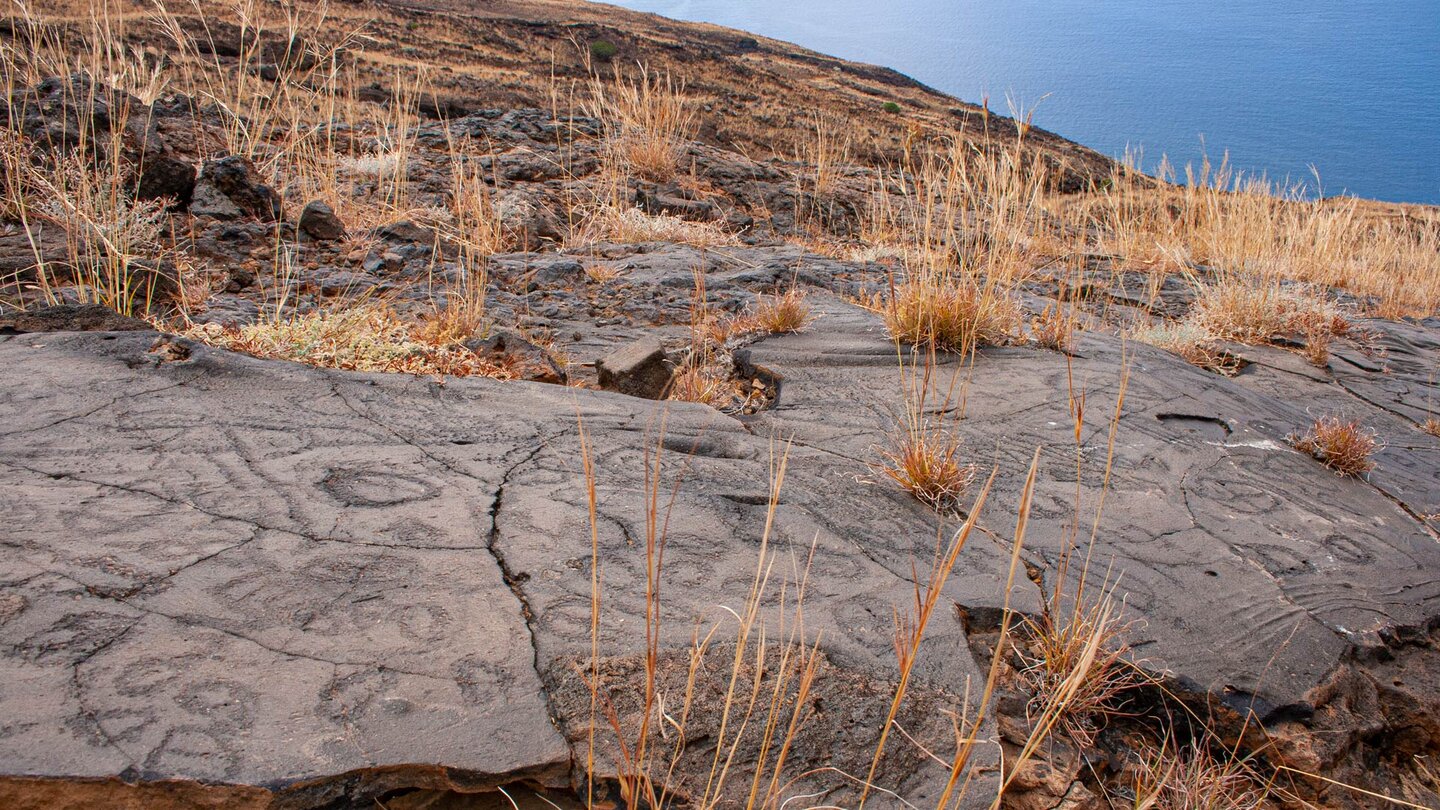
359, 487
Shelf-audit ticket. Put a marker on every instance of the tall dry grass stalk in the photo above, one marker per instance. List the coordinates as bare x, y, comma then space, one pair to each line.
771, 673
302, 81
650, 118
972, 220
1249, 225
925, 456
827, 149
116, 253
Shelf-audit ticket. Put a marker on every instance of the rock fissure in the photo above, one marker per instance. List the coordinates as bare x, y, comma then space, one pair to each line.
515, 582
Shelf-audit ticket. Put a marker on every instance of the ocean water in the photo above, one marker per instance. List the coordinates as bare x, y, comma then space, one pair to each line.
1348, 89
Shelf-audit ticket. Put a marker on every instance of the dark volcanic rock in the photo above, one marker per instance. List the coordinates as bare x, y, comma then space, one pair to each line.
70, 318
71, 112
528, 361
20, 252
228, 188
319, 220
641, 369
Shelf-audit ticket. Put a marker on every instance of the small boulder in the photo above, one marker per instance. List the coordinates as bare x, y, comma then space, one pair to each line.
527, 360
405, 231
163, 175
440, 109
641, 369
228, 188
320, 222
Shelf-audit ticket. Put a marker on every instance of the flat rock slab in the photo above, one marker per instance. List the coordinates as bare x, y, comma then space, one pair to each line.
278, 593
309, 588
1249, 570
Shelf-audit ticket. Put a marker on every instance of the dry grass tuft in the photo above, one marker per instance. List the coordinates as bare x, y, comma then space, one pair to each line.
650, 118
1075, 664
609, 223
951, 312
1191, 342
1054, 328
927, 462
364, 337
1196, 779
1431, 426
1343, 446
781, 313
925, 455
114, 244
463, 317
603, 273
706, 384
1251, 309
829, 150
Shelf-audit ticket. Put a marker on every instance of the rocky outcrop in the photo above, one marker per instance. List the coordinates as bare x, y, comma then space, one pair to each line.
303, 588
67, 113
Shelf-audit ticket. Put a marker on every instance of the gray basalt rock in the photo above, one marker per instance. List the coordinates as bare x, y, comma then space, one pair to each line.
641, 369
527, 360
315, 589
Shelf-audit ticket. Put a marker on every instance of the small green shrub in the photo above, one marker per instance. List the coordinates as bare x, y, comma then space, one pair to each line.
891, 107
603, 50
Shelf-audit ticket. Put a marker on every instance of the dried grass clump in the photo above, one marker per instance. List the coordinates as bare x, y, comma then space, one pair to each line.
928, 463
707, 384
951, 312
478, 220
1075, 665
1342, 445
1054, 328
925, 455
781, 313
608, 223
462, 317
1191, 342
826, 148
603, 273
1256, 309
1196, 779
650, 119
365, 337
1431, 425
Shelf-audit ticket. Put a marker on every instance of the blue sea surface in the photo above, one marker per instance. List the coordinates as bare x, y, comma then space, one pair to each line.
1350, 88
